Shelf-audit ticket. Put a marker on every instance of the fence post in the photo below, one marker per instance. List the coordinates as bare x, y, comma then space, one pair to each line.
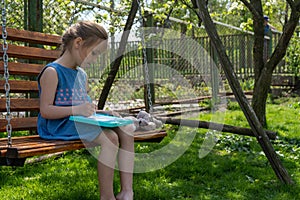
148, 22
33, 21
33, 10
214, 73
242, 58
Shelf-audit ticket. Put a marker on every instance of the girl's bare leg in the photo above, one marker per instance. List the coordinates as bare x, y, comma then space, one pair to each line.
109, 142
126, 161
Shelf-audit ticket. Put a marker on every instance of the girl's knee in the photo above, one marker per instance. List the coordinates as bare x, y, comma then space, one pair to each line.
108, 137
125, 138
112, 136
128, 129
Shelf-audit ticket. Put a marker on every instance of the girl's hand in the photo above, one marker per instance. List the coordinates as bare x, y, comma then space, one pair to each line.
85, 109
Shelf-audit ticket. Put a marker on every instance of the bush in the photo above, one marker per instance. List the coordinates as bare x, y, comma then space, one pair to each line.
293, 56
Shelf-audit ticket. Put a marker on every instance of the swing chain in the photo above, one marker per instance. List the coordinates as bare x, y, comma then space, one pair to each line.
149, 95
6, 75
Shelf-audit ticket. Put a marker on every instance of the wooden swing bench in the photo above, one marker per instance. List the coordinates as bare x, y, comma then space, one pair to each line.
25, 46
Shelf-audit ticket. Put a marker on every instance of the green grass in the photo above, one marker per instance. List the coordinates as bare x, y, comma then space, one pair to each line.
236, 168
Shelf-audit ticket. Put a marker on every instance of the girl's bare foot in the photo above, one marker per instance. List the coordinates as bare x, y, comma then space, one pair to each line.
125, 195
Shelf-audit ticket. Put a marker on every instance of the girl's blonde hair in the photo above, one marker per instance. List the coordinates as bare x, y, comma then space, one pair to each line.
90, 32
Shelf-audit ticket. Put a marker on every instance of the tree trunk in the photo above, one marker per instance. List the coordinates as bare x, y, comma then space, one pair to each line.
249, 113
258, 47
260, 95
263, 70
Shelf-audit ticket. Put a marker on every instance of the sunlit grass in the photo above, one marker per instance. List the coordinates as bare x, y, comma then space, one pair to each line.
236, 168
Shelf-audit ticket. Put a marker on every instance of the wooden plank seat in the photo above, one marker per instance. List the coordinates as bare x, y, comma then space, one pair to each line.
28, 52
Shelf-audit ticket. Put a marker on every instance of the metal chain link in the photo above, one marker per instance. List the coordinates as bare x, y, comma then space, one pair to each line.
149, 96
6, 75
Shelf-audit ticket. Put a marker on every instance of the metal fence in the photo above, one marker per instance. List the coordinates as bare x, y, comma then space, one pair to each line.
239, 48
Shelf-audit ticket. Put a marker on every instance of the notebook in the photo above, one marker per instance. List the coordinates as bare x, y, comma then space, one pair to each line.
102, 120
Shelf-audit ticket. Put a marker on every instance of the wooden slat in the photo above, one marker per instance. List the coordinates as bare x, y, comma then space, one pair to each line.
22, 68
67, 146
48, 150
34, 144
17, 104
19, 124
32, 37
150, 136
33, 141
20, 86
24, 52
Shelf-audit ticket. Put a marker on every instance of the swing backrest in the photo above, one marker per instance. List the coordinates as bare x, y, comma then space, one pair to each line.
28, 52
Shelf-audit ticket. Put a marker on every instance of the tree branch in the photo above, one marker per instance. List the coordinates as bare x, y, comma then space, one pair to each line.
251, 8
282, 45
291, 3
193, 9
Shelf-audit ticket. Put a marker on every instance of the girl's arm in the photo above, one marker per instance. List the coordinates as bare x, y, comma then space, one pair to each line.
48, 83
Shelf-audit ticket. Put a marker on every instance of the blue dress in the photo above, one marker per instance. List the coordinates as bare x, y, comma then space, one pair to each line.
71, 91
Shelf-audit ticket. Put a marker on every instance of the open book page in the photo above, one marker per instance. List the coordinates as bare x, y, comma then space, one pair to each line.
100, 117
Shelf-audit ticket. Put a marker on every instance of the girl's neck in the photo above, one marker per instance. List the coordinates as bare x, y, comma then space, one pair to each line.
66, 61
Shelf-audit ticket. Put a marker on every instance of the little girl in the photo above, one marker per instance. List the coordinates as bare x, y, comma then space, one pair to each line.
63, 92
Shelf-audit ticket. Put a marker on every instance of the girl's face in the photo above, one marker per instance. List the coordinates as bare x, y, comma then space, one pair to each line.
89, 54
84, 51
